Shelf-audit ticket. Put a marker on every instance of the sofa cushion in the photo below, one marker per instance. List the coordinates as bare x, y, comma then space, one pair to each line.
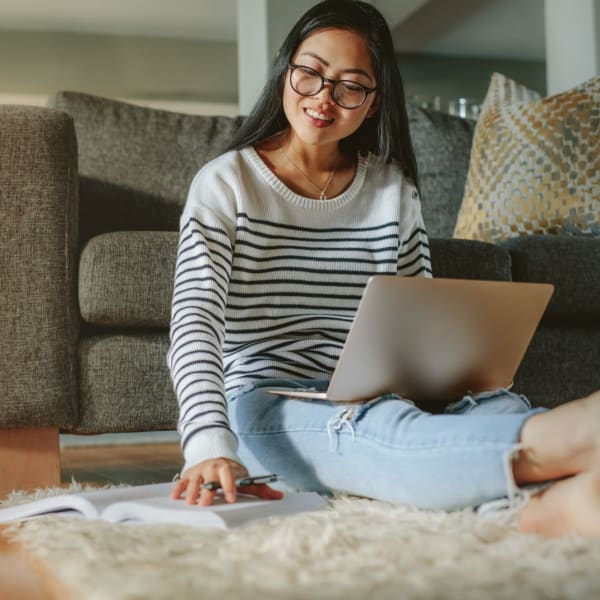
126, 279
124, 384
442, 145
535, 165
467, 259
571, 264
561, 364
136, 163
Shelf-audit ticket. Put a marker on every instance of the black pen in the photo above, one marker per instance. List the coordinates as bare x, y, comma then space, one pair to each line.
242, 481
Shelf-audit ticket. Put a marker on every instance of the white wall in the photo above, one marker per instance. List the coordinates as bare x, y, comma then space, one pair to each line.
35, 64
198, 73
572, 42
262, 27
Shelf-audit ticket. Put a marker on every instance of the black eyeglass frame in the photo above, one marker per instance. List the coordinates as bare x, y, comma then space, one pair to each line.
333, 82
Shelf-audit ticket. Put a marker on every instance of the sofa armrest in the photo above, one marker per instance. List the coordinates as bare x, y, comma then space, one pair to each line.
38, 245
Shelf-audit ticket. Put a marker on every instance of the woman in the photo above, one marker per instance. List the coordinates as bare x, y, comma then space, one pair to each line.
279, 235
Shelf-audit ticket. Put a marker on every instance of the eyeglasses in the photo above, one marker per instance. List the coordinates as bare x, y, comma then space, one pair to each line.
347, 94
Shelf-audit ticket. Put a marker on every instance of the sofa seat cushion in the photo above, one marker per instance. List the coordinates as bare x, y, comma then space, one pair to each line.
468, 259
560, 364
124, 384
571, 264
126, 279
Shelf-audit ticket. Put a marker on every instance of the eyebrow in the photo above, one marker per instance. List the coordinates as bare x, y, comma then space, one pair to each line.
326, 64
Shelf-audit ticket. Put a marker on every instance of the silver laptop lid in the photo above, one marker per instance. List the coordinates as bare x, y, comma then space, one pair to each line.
435, 339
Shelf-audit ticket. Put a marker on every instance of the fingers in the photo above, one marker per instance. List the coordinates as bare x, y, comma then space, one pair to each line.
178, 489
220, 470
206, 497
189, 484
227, 483
263, 491
224, 472
193, 490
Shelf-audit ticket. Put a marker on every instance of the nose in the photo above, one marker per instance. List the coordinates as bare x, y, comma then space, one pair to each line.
326, 92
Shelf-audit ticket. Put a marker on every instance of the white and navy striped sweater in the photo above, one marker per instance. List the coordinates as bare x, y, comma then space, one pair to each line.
267, 282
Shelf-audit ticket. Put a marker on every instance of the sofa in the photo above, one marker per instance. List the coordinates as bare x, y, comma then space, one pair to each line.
91, 191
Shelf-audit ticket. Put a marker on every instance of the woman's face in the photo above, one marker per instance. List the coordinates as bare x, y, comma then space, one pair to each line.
335, 54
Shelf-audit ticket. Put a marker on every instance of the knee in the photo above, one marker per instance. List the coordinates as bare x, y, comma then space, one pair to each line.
250, 410
497, 402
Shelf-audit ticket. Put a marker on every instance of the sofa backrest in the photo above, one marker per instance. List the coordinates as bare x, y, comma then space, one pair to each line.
136, 163
442, 145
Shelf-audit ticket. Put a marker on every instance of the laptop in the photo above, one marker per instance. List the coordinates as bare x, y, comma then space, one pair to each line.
433, 340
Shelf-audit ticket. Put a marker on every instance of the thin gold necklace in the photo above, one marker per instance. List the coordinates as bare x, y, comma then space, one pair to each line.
321, 191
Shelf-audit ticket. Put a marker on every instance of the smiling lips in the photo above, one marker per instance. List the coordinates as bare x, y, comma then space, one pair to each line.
318, 118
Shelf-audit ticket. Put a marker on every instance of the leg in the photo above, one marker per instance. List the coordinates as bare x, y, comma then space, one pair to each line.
561, 442
29, 458
387, 449
564, 442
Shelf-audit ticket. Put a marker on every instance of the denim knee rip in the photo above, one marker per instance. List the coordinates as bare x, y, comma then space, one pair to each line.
516, 496
346, 417
514, 402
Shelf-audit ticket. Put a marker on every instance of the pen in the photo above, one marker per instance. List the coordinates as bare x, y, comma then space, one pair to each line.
243, 481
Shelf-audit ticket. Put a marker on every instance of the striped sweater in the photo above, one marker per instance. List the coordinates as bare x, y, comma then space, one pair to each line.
267, 282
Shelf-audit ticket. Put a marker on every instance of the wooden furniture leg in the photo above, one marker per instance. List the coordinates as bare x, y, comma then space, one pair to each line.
29, 459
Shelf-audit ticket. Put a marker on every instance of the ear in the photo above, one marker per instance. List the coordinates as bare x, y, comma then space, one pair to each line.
374, 107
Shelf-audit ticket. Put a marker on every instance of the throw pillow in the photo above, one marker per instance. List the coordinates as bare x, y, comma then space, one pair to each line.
535, 164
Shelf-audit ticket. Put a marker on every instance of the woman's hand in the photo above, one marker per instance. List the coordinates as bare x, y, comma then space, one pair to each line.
224, 471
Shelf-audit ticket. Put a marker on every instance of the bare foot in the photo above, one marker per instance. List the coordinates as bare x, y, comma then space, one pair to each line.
569, 506
561, 442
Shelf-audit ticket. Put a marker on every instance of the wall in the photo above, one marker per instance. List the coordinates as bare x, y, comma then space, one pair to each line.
572, 42
262, 27
202, 76
167, 71
429, 75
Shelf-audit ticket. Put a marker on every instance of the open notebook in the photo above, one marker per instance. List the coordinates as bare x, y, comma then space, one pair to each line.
152, 504
434, 339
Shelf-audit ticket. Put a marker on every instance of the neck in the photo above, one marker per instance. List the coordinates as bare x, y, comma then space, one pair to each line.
316, 159
317, 171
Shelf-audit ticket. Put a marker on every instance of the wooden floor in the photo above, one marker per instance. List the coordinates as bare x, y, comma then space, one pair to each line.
135, 464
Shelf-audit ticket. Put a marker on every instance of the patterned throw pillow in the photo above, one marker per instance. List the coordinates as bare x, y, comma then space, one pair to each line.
535, 164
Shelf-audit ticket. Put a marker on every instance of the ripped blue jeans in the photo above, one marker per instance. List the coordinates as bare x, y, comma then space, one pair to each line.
387, 448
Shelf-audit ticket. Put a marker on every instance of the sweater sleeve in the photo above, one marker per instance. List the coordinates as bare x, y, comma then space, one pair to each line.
197, 331
413, 251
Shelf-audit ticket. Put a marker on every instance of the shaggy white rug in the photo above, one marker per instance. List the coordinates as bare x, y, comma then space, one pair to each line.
353, 549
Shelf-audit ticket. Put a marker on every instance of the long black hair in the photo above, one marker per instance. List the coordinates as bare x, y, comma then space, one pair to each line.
386, 133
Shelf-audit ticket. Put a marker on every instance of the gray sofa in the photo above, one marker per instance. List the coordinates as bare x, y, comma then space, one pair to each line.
91, 191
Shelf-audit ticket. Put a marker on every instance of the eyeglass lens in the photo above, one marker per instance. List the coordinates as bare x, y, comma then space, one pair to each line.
308, 82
